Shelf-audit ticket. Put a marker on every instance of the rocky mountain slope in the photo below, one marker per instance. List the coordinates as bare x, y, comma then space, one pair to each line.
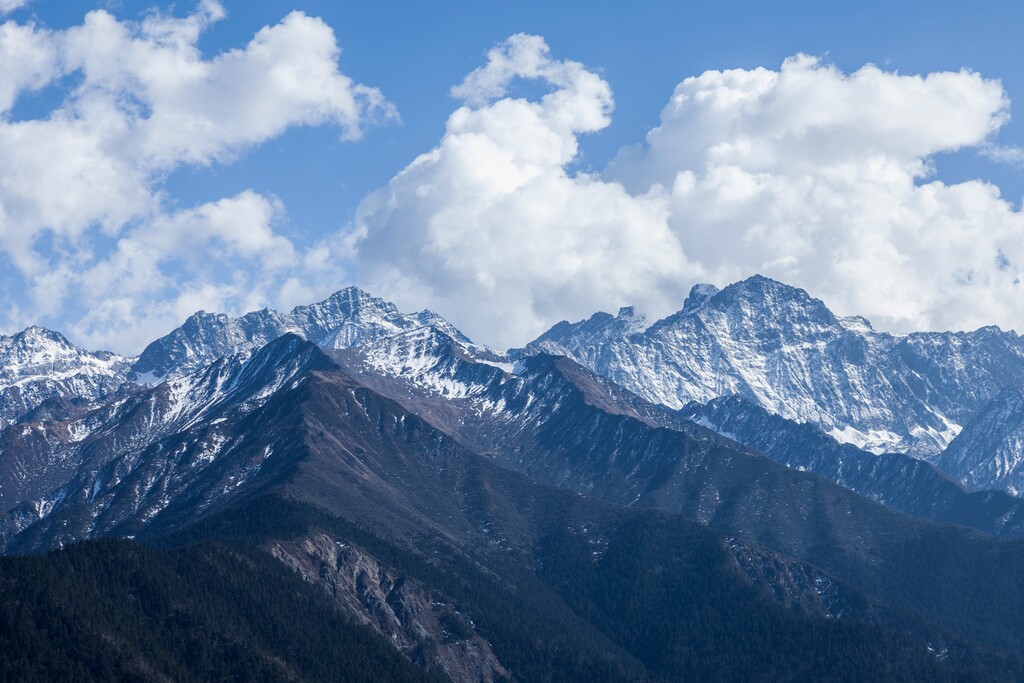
495, 409
498, 517
899, 481
465, 566
781, 348
347, 318
123, 463
989, 452
37, 365
563, 425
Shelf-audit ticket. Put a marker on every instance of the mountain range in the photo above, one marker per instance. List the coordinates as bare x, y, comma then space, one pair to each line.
786, 351
752, 488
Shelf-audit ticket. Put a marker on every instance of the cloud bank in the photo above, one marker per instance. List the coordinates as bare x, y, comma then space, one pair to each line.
491, 228
807, 174
821, 179
83, 218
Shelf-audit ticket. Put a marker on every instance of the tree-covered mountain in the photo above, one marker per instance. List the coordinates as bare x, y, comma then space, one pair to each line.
896, 480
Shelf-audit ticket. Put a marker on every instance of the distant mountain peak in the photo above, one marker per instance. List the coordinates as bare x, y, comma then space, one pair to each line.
595, 331
856, 323
38, 364
626, 312
348, 317
428, 318
38, 331
34, 335
765, 293
780, 347
699, 294
350, 301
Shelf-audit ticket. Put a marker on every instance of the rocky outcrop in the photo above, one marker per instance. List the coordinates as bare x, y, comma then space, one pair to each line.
420, 624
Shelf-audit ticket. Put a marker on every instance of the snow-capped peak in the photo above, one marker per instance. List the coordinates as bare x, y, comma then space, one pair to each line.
38, 364
699, 293
785, 350
349, 317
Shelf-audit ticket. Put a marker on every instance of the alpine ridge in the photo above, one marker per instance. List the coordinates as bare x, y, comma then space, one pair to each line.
346, 318
177, 444
899, 481
38, 364
463, 565
784, 350
989, 452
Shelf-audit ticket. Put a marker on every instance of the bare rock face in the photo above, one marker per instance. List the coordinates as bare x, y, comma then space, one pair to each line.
420, 624
798, 586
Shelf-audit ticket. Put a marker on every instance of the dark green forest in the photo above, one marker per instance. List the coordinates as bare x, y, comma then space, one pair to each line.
658, 604
117, 610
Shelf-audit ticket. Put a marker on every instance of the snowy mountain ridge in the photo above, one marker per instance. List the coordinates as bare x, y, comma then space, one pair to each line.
758, 339
38, 364
347, 318
989, 452
786, 351
126, 461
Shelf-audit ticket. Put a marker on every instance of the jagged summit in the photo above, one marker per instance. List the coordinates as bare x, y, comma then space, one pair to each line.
626, 312
759, 303
38, 364
587, 337
37, 351
699, 293
346, 303
38, 332
40, 341
347, 318
778, 346
766, 293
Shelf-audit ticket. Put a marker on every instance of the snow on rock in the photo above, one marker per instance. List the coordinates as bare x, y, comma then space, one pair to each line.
39, 364
127, 460
347, 318
776, 345
989, 452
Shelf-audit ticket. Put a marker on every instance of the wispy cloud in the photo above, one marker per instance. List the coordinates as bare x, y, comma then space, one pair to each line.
1004, 154
8, 6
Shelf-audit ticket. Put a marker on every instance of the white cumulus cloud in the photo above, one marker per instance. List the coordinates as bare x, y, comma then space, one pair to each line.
808, 174
491, 228
823, 179
81, 204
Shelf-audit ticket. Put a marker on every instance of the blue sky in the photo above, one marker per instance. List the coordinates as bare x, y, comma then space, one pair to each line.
414, 53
